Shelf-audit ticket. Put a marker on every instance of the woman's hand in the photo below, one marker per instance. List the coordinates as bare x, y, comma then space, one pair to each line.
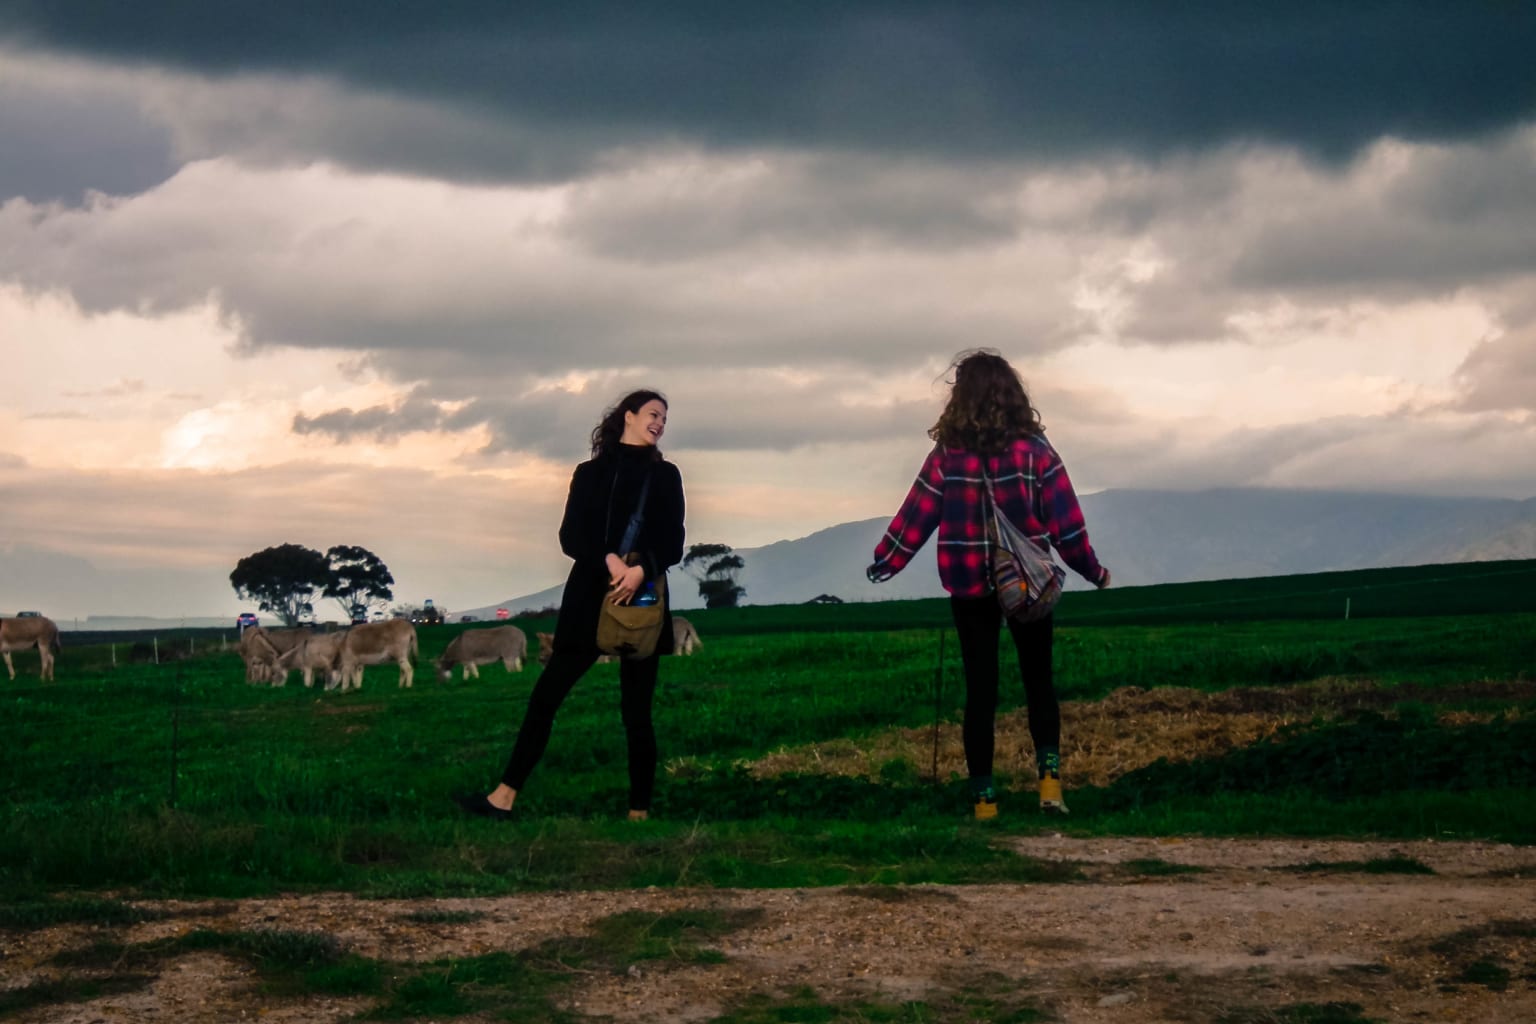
623, 581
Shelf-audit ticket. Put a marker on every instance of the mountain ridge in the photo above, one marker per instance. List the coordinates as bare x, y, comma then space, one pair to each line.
1157, 536
1144, 536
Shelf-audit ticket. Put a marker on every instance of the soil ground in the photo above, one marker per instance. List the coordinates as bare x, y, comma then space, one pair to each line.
1251, 933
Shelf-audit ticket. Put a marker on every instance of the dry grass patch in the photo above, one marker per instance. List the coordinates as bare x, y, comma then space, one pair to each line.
1132, 727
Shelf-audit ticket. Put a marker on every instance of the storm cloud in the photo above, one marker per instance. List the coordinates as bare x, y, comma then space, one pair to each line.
64, 139
985, 79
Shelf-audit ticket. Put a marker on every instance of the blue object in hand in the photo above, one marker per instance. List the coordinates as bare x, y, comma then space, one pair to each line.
647, 595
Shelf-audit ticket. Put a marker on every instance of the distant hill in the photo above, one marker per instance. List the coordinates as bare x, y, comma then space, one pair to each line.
48, 581
1161, 537
113, 623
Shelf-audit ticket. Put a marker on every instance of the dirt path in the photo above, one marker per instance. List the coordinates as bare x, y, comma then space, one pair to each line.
1131, 943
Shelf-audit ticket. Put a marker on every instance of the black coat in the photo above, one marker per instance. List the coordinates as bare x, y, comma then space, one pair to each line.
602, 498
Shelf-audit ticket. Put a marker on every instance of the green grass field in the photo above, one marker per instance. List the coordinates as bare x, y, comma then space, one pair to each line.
178, 779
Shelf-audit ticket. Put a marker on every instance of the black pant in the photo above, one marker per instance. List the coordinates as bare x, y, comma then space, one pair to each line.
637, 689
978, 620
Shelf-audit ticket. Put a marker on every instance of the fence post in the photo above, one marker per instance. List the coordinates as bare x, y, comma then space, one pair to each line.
938, 703
1346, 609
175, 735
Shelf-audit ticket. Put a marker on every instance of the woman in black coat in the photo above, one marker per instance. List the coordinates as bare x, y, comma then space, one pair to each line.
603, 496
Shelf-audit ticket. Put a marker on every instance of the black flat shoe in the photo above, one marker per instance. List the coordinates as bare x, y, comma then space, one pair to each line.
480, 807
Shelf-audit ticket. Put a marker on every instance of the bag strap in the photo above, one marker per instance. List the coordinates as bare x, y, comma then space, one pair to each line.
991, 495
987, 479
989, 509
995, 511
635, 521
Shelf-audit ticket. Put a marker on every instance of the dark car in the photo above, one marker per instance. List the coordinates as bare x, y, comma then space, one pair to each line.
245, 619
428, 614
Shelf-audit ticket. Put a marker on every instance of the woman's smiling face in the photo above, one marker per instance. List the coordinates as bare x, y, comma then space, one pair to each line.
646, 424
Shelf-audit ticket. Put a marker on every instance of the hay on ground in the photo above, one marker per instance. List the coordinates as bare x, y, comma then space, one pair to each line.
1105, 739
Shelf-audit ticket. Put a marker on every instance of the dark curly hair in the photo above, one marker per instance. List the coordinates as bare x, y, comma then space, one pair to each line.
609, 429
987, 409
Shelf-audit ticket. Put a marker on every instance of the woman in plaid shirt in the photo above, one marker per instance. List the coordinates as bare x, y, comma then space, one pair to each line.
989, 424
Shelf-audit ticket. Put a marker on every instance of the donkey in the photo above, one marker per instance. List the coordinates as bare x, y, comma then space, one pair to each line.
475, 647
25, 633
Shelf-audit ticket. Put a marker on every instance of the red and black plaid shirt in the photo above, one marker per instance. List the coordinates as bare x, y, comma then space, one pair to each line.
1032, 490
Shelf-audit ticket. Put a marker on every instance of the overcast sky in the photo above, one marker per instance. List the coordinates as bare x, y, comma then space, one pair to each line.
360, 273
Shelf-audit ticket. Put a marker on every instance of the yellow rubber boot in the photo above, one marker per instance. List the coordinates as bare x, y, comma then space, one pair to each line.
986, 802
1051, 801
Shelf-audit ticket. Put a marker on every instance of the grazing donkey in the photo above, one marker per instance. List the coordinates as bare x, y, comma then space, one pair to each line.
475, 647
25, 633
375, 643
685, 639
317, 651
262, 648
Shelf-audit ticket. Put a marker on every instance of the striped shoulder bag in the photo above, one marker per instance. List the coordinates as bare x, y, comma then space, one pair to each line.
1027, 581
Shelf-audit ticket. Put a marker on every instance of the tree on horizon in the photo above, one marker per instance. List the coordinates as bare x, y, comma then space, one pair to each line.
359, 579
715, 567
282, 580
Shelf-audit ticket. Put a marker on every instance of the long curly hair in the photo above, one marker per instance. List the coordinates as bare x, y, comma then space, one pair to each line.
988, 409
610, 429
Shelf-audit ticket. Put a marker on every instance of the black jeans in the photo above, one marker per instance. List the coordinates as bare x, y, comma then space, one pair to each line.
637, 689
978, 620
